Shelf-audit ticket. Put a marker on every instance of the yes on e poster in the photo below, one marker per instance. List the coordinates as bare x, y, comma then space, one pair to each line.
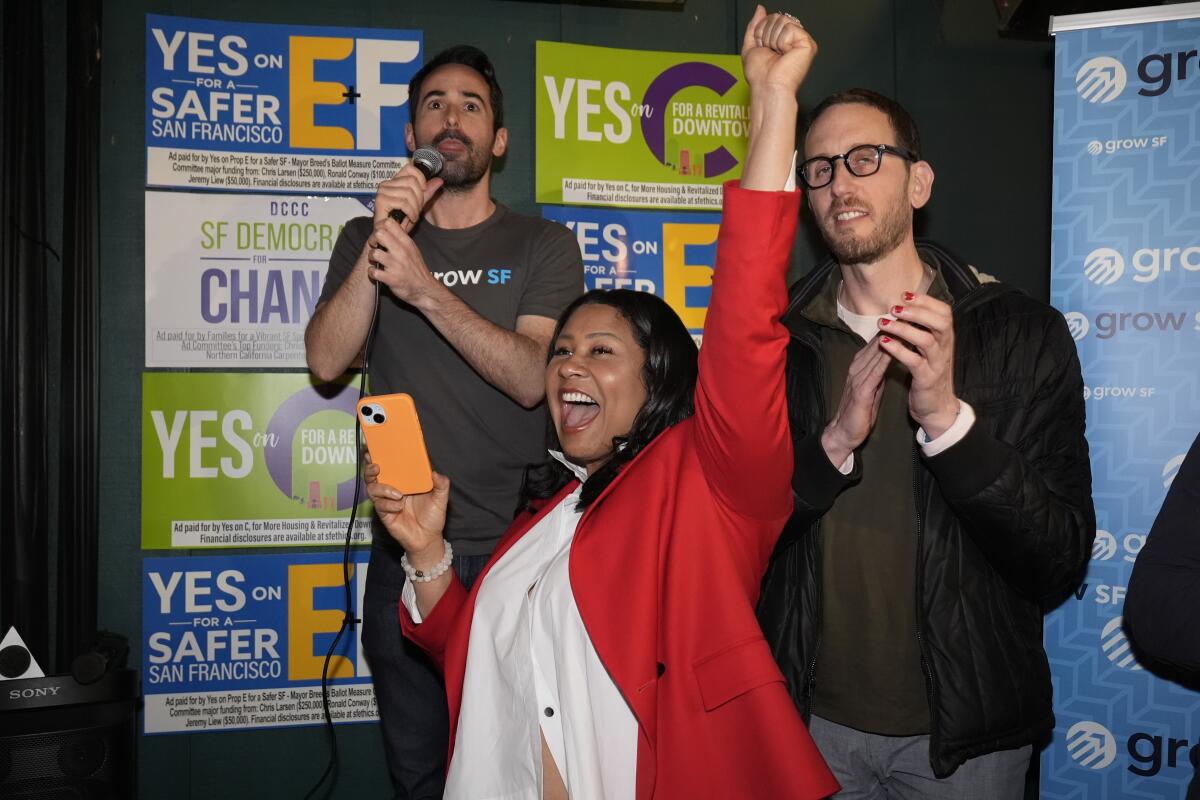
671, 254
234, 642
242, 106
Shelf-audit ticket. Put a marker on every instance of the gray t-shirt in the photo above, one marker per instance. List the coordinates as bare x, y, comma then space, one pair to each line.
507, 266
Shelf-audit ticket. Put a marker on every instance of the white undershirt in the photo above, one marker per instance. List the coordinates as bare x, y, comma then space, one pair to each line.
529, 652
867, 326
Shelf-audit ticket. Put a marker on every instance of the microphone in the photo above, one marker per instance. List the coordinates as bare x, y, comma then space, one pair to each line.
429, 161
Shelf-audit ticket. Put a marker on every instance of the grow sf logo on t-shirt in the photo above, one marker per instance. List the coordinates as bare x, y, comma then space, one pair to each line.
488, 276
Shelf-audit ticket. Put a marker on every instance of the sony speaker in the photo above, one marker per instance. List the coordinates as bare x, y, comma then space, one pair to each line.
63, 740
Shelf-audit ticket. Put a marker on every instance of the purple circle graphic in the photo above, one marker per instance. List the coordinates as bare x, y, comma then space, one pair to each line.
281, 432
666, 86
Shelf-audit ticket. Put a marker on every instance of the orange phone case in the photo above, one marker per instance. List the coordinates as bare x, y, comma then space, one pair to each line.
395, 442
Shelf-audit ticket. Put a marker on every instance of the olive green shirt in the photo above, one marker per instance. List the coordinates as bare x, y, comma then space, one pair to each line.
869, 674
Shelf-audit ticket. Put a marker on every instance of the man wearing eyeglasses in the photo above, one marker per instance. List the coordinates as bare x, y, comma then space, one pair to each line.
942, 485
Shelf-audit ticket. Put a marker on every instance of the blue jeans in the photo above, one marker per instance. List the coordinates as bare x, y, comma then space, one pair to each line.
409, 691
871, 767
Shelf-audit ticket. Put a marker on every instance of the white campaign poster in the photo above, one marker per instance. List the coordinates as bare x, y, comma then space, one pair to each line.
232, 279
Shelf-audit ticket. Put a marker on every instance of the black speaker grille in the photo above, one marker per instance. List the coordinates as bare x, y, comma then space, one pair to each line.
69, 764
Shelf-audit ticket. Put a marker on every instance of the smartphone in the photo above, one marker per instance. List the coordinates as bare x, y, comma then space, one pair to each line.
394, 440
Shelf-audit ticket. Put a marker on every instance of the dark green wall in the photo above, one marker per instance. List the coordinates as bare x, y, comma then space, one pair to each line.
983, 105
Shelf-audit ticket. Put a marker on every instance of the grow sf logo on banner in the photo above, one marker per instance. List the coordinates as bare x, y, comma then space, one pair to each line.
249, 107
1100, 80
669, 254
1104, 266
1103, 79
638, 129
240, 642
243, 460
1126, 272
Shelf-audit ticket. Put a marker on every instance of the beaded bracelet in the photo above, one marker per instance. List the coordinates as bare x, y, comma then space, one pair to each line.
435, 572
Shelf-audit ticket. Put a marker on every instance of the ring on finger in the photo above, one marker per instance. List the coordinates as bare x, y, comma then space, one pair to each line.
793, 19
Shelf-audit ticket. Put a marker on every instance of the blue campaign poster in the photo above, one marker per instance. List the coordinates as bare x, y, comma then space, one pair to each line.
668, 253
234, 642
238, 106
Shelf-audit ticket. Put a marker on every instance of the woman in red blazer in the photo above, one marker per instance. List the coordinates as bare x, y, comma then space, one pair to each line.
661, 569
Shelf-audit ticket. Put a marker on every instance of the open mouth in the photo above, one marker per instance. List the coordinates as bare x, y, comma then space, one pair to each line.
578, 411
849, 215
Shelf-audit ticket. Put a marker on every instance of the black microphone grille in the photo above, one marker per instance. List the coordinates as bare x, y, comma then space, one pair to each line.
428, 160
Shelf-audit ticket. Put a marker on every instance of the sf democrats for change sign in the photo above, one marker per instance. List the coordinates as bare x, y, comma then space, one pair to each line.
670, 254
239, 642
231, 280
246, 460
248, 107
638, 129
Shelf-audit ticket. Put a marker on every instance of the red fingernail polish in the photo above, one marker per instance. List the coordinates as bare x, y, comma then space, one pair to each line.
897, 309
884, 321
885, 339
908, 295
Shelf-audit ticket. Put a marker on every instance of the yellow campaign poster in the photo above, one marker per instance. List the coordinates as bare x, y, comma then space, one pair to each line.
638, 129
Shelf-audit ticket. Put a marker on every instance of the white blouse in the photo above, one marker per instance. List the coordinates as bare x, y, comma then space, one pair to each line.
532, 672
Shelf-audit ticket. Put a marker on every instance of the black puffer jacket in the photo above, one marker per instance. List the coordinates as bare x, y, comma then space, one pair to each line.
1005, 517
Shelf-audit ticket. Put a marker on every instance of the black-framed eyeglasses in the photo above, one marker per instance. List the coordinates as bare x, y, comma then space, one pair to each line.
861, 161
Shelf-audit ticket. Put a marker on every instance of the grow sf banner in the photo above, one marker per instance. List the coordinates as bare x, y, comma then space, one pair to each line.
245, 460
638, 129
233, 642
1126, 274
239, 106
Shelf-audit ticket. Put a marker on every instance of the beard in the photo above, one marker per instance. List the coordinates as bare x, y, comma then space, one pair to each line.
465, 171
890, 231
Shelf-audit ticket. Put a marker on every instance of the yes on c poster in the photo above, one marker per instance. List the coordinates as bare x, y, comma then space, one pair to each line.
671, 254
247, 460
636, 128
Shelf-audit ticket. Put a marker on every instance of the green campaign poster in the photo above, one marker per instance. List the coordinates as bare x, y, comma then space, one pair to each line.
636, 128
248, 460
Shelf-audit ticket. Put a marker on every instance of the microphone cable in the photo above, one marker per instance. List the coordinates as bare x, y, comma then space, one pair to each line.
349, 621
429, 162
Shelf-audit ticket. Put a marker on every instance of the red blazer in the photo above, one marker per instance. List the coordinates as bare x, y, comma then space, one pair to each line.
666, 563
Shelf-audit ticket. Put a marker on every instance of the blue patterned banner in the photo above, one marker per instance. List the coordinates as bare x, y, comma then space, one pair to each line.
1126, 274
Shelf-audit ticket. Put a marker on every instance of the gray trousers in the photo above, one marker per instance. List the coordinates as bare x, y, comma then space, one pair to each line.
873, 767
